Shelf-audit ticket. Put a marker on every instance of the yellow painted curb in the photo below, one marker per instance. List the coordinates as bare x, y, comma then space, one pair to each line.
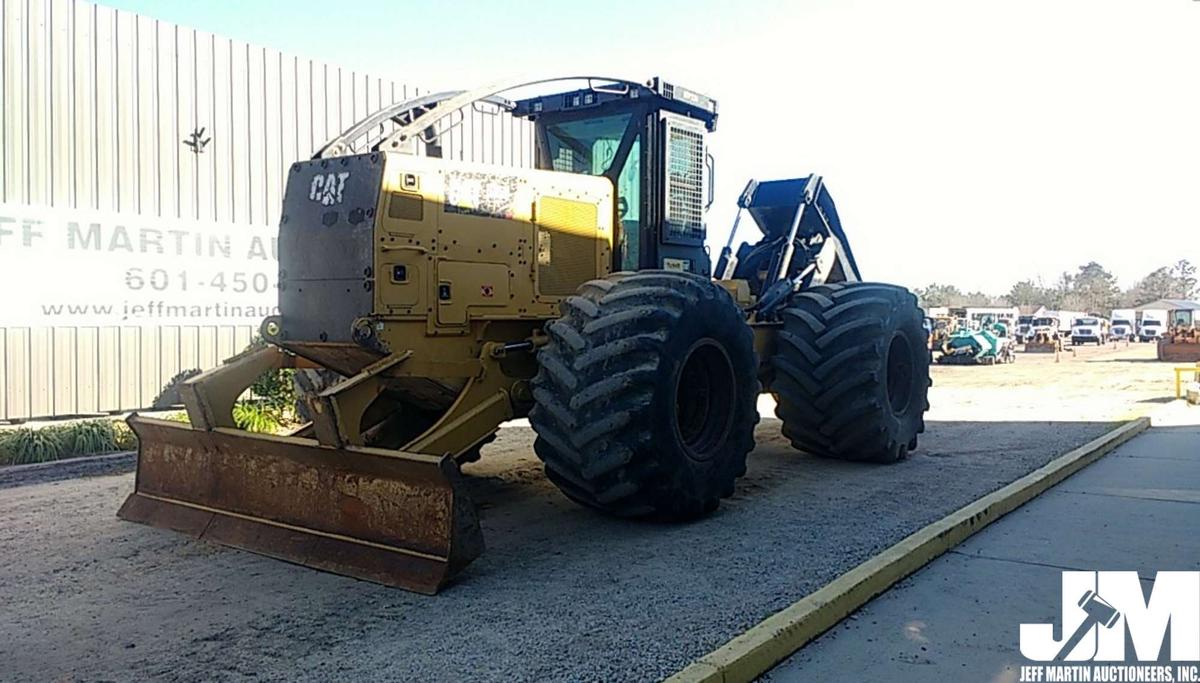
778, 636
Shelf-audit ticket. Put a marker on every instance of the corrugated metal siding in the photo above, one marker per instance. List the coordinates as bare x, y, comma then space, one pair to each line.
94, 106
50, 371
97, 102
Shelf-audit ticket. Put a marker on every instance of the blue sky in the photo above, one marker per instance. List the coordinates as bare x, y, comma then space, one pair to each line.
965, 141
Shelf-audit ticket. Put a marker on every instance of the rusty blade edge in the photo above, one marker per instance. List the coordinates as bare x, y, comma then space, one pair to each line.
136, 422
291, 527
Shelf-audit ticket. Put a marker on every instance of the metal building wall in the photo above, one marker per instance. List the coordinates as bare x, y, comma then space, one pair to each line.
50, 371
95, 104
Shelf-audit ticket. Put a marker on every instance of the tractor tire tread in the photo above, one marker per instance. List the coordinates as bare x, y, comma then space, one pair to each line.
827, 371
595, 390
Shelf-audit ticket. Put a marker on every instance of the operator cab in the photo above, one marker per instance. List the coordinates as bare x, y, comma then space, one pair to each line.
649, 141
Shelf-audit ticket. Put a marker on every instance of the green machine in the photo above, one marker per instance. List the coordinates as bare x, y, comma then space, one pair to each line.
988, 345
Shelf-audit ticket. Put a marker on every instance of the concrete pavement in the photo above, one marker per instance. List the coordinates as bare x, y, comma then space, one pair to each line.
958, 619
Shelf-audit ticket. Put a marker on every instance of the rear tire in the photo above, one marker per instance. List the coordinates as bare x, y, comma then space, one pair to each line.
851, 372
644, 401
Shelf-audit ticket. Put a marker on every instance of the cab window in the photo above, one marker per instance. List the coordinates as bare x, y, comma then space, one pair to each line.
586, 146
589, 146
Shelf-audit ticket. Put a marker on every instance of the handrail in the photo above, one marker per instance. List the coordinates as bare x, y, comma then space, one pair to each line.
341, 145
438, 106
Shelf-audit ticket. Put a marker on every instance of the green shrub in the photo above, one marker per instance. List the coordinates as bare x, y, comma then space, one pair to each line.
6, 453
88, 438
34, 445
276, 389
169, 395
55, 442
123, 437
257, 417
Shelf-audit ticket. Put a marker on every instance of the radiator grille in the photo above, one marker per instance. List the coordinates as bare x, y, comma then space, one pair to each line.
566, 248
685, 181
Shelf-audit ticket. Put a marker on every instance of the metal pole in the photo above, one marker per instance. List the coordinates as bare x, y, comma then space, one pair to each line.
730, 261
810, 196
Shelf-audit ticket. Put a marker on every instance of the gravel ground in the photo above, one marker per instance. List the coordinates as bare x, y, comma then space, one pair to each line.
561, 593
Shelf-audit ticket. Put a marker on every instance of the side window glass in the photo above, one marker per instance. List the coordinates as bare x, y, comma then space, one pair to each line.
629, 206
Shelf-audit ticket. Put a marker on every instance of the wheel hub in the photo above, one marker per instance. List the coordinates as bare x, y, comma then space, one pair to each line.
899, 374
704, 394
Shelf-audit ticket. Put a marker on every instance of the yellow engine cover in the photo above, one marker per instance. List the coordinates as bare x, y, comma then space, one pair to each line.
458, 241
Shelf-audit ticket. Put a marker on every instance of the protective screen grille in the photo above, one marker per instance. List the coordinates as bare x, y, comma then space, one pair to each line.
685, 182
566, 244
565, 161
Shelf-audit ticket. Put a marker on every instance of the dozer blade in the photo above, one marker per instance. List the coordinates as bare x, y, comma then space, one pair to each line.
395, 518
1179, 352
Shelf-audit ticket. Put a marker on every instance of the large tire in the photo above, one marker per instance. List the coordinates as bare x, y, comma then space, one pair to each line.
851, 372
644, 401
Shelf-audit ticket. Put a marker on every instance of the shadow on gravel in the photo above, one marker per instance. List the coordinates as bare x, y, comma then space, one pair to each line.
955, 463
562, 593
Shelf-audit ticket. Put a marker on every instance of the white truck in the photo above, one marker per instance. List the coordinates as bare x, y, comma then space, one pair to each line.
1024, 329
1123, 327
1089, 328
1046, 324
1066, 320
1154, 323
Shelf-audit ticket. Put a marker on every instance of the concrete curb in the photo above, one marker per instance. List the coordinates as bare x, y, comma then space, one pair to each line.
775, 638
65, 462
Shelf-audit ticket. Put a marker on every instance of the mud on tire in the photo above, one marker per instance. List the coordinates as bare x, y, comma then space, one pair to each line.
645, 395
852, 372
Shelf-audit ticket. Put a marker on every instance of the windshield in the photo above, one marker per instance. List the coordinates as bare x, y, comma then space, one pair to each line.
1086, 321
587, 145
1150, 323
1121, 322
1026, 319
1042, 322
